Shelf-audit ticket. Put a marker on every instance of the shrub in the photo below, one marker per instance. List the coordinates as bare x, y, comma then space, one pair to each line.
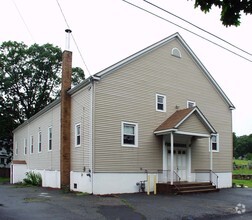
33, 178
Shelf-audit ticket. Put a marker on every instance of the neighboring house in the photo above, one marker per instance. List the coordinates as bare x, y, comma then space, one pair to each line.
155, 111
4, 156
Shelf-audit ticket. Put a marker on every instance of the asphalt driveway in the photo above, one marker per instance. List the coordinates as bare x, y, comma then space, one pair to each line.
32, 203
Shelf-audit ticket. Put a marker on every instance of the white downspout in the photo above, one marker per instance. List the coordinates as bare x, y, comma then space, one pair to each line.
211, 153
92, 97
172, 151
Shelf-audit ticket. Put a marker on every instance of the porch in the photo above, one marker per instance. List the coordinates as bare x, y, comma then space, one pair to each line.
205, 181
187, 138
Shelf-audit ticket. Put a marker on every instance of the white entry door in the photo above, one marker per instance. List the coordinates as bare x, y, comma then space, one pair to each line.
179, 162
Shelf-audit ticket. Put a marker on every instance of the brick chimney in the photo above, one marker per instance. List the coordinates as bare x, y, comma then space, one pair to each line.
65, 133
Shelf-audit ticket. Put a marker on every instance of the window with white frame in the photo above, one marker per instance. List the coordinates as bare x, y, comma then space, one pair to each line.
25, 146
129, 135
16, 148
31, 145
160, 103
215, 142
191, 104
39, 141
77, 135
50, 138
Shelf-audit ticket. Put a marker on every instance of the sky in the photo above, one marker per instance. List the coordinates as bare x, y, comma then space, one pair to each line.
106, 31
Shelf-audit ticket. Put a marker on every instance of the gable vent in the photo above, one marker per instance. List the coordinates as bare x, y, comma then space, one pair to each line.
176, 52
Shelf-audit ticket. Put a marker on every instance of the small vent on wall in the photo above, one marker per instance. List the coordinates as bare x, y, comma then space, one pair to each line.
75, 185
176, 52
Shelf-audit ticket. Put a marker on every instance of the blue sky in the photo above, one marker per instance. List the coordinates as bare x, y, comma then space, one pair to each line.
107, 31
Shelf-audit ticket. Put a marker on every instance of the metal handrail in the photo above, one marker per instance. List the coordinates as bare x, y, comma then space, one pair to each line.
177, 176
211, 173
217, 179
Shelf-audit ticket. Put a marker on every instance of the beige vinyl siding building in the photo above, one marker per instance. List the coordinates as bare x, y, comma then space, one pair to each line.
133, 118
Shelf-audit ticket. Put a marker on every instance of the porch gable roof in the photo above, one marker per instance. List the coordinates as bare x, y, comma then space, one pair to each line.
179, 117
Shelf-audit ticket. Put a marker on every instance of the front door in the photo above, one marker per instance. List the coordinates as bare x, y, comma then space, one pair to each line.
179, 162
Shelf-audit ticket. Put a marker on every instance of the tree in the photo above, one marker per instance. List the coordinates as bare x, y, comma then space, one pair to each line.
230, 9
30, 79
242, 145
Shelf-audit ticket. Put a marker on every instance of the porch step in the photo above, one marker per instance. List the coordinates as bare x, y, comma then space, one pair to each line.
203, 187
186, 188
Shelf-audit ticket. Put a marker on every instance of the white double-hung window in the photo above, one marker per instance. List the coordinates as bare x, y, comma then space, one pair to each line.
215, 142
160, 103
77, 135
50, 138
129, 137
39, 141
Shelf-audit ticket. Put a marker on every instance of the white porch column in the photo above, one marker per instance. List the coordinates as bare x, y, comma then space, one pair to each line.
211, 153
189, 163
172, 152
165, 155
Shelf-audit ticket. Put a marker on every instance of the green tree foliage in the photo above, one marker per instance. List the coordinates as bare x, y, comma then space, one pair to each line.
230, 9
30, 78
242, 145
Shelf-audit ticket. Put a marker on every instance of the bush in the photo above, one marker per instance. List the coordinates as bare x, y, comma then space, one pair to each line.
33, 178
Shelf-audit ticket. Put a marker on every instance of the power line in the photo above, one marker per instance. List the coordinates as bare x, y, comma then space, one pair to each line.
75, 42
158, 16
23, 20
188, 22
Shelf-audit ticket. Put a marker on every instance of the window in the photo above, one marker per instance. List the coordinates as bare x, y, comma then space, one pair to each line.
39, 141
2, 161
191, 104
215, 142
77, 135
16, 148
50, 138
25, 146
31, 145
160, 103
129, 134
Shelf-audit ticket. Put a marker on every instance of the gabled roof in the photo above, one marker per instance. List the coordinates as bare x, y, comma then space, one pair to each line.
179, 117
155, 46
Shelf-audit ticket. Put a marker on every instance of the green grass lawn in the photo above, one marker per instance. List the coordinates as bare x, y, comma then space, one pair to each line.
241, 162
247, 183
244, 171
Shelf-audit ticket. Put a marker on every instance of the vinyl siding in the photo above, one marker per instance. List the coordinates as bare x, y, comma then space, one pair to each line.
81, 113
129, 94
48, 160
193, 124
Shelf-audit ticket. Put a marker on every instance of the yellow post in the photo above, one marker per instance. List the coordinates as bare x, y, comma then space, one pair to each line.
155, 184
148, 185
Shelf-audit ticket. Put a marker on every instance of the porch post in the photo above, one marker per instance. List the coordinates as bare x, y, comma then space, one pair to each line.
165, 156
211, 153
189, 162
172, 151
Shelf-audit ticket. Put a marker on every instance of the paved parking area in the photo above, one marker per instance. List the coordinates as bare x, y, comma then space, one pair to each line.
32, 203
